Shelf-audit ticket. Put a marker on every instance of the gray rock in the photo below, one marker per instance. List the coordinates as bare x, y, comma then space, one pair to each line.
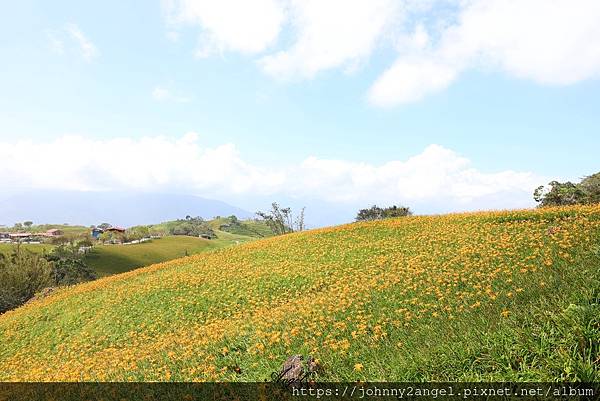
293, 368
296, 369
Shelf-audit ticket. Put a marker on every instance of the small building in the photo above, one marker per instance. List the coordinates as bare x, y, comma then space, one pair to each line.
21, 237
54, 232
4, 235
96, 232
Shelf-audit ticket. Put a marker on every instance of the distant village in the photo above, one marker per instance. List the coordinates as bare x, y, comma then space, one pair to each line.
8, 237
52, 234
105, 233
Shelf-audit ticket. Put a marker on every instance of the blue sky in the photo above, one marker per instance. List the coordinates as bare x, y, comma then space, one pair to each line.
281, 82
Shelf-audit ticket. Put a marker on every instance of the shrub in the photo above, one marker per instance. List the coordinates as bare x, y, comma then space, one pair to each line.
22, 274
281, 219
568, 193
193, 226
68, 266
377, 213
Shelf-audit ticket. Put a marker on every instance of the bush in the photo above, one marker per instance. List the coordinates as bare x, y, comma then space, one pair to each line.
568, 193
22, 274
193, 226
591, 187
281, 219
69, 267
377, 213
137, 233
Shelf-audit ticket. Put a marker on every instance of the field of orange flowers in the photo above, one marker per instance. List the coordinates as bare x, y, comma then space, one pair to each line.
494, 295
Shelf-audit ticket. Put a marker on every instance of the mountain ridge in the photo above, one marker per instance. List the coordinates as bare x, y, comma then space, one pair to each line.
117, 208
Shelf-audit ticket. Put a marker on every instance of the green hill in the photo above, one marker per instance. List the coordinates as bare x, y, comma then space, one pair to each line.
250, 228
497, 296
112, 259
7, 248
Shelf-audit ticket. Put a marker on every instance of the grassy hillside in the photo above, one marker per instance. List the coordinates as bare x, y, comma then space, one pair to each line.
68, 230
113, 259
488, 296
250, 228
7, 248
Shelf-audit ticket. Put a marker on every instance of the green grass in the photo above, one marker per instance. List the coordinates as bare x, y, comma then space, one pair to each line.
7, 248
250, 228
498, 296
69, 230
114, 259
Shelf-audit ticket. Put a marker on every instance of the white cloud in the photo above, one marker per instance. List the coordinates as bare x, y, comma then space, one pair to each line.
437, 176
229, 25
411, 80
70, 38
87, 48
331, 34
433, 175
161, 93
549, 42
149, 163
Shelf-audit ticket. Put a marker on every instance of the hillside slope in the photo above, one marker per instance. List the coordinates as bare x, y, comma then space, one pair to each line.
486, 296
112, 259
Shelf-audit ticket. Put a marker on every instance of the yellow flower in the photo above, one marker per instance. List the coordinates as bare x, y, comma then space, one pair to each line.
358, 367
505, 313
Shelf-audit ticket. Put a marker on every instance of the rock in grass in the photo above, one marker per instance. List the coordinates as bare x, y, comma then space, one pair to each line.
296, 370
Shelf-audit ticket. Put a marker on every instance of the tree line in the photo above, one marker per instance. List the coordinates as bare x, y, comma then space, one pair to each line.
281, 220
585, 192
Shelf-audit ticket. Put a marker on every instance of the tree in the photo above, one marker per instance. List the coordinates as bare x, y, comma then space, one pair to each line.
591, 187
158, 231
568, 193
281, 220
22, 275
28, 224
193, 226
111, 237
137, 233
377, 213
104, 226
68, 266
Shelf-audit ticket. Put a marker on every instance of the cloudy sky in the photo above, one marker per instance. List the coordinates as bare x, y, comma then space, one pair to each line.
438, 104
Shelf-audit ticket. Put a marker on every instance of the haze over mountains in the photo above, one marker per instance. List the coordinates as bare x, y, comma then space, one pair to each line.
117, 208
128, 208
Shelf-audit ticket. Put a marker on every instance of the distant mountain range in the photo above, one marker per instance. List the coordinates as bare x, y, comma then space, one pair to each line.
117, 208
